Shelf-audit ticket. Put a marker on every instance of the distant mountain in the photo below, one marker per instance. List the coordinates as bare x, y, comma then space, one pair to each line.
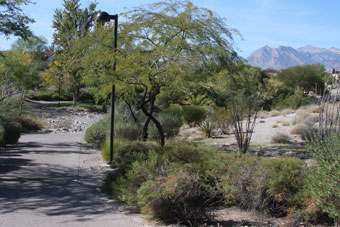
285, 56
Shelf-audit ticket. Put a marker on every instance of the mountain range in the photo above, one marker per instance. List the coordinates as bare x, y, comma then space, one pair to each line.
285, 56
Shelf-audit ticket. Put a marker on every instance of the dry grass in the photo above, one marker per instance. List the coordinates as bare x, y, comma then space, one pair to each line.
311, 119
287, 111
285, 123
300, 129
274, 113
313, 109
275, 126
279, 121
281, 138
263, 114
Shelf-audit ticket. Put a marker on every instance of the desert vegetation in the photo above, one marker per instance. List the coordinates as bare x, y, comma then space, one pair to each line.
177, 74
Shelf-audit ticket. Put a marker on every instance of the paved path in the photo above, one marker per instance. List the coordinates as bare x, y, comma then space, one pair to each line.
53, 180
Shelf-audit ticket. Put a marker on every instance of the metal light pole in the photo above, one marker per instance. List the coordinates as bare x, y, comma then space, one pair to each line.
104, 17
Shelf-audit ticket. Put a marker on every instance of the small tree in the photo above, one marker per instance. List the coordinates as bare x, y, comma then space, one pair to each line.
244, 114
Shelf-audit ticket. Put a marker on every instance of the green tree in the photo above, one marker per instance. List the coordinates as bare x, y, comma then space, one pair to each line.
37, 47
160, 45
72, 25
307, 77
16, 76
12, 19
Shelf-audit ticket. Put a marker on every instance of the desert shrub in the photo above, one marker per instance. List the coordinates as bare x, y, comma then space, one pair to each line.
287, 111
182, 197
269, 185
325, 174
206, 127
127, 130
300, 129
174, 110
193, 115
221, 118
306, 132
313, 109
311, 119
13, 132
275, 126
263, 114
281, 138
285, 123
28, 124
284, 186
171, 123
14, 106
97, 133
2, 135
274, 113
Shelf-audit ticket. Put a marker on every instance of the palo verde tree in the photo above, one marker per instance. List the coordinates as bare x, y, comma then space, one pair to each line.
71, 25
160, 45
12, 19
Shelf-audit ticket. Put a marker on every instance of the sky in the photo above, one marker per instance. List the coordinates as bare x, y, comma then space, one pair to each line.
294, 23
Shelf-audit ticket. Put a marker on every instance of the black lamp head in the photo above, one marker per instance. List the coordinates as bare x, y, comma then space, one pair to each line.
103, 17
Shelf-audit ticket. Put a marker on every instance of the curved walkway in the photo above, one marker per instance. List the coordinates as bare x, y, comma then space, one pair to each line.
53, 180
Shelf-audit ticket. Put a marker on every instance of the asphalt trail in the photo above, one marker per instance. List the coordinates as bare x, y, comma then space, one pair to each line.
53, 180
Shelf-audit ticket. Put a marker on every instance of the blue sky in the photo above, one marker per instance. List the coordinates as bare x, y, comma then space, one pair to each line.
275, 23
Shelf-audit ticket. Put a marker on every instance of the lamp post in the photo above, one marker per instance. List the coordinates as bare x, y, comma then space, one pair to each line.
104, 17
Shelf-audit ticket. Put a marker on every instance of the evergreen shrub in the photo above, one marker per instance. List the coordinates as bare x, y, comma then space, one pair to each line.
13, 132
193, 115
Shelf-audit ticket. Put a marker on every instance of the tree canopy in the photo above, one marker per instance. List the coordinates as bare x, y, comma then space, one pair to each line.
160, 45
13, 21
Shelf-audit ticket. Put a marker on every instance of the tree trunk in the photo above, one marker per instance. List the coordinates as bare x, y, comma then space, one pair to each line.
150, 117
75, 96
157, 123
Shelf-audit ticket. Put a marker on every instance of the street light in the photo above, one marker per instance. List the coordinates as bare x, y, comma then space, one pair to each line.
104, 17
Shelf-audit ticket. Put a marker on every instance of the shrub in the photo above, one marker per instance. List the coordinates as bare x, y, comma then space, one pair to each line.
13, 132
181, 197
285, 123
221, 118
300, 129
275, 126
171, 123
274, 113
325, 174
193, 115
127, 130
28, 124
287, 111
207, 127
2, 135
284, 186
97, 133
281, 138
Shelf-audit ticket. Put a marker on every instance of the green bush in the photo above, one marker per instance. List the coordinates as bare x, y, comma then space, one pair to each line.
184, 183
128, 130
170, 122
50, 96
97, 133
13, 132
2, 135
28, 124
284, 186
325, 174
193, 115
